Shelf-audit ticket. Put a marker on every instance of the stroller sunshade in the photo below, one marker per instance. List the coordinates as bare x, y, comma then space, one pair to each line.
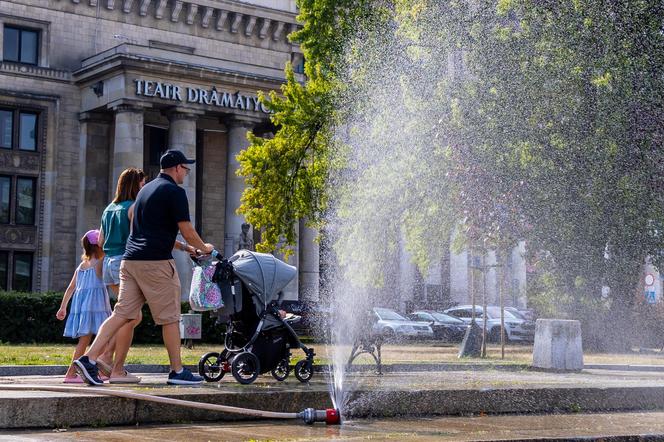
264, 274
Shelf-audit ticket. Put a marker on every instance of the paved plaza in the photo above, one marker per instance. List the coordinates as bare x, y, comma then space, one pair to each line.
564, 427
447, 403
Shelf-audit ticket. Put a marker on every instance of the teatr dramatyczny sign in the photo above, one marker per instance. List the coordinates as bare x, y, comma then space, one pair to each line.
209, 97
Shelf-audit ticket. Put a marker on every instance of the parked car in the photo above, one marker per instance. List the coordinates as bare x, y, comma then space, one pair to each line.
392, 326
516, 329
445, 327
528, 314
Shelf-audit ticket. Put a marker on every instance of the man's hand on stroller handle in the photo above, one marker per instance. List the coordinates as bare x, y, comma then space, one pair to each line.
193, 251
209, 248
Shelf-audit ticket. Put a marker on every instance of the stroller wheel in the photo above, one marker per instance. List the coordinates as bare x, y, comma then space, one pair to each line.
281, 371
245, 367
211, 367
304, 370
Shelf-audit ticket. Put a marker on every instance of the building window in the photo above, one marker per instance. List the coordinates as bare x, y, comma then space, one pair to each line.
27, 131
22, 274
22, 203
5, 198
16, 271
18, 129
20, 45
297, 61
4, 270
6, 125
25, 200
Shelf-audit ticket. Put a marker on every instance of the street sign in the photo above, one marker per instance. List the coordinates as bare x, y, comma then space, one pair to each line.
651, 297
650, 279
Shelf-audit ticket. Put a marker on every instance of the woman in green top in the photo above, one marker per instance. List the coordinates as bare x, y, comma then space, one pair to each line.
115, 227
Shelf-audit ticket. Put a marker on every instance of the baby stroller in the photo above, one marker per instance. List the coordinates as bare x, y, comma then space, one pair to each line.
257, 339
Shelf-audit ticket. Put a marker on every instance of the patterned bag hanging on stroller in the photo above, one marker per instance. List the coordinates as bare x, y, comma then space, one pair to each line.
205, 293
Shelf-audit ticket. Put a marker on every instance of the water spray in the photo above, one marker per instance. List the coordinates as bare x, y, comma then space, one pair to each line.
330, 416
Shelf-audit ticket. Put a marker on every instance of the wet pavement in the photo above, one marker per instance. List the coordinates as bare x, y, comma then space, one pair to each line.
411, 380
394, 394
604, 426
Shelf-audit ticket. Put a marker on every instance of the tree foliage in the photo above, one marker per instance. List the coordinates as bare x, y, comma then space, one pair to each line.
556, 130
578, 86
287, 175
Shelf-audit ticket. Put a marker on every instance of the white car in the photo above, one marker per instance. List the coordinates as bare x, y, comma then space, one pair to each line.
516, 329
392, 326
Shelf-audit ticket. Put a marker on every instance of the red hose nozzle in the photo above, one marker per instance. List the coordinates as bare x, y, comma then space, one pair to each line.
331, 416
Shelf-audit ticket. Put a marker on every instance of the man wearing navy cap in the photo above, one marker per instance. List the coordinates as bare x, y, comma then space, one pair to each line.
148, 273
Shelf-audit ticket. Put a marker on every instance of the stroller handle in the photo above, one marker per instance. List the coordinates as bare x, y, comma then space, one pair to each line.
214, 253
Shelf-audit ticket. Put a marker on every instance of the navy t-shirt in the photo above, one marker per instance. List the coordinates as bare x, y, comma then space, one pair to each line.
160, 206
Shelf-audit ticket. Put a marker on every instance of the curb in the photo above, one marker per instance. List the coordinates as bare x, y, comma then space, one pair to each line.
59, 370
54, 410
624, 367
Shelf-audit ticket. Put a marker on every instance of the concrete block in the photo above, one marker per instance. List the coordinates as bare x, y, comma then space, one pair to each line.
558, 345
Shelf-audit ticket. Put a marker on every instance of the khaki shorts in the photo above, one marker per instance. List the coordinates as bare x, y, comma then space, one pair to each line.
154, 282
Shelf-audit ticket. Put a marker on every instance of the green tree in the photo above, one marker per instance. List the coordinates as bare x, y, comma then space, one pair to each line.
287, 175
556, 132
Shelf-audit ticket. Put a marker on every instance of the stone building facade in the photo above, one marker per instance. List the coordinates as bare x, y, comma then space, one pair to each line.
90, 87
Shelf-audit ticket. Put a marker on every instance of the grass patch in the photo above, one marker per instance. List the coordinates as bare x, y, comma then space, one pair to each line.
54, 354
408, 353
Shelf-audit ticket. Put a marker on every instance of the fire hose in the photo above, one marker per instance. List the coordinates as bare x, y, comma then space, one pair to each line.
330, 416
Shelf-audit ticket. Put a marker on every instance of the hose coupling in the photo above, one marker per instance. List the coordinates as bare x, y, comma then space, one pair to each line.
331, 416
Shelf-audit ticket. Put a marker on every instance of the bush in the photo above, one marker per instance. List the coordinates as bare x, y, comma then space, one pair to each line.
30, 318
27, 318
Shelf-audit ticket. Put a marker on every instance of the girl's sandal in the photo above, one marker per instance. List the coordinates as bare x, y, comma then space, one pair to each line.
128, 378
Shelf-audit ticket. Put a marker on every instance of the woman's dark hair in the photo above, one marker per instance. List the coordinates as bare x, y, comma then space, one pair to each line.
129, 183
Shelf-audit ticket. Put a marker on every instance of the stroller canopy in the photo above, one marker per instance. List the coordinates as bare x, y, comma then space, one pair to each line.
264, 274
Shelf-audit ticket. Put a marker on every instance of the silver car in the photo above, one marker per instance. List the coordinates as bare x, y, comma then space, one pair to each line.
516, 329
392, 326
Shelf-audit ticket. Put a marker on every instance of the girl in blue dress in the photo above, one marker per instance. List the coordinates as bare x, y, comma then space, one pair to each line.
89, 300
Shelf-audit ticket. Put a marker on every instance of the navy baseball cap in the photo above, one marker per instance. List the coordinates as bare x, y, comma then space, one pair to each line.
172, 158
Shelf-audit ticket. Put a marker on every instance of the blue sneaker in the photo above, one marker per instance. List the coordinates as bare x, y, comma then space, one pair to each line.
87, 371
186, 377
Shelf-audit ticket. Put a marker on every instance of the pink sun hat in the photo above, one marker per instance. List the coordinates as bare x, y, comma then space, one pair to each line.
92, 236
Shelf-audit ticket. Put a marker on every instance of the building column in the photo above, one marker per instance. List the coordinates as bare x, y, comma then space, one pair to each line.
182, 137
519, 276
309, 271
401, 276
94, 171
128, 141
460, 274
491, 273
237, 142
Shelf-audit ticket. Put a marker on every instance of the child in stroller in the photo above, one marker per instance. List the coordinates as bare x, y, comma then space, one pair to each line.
258, 340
